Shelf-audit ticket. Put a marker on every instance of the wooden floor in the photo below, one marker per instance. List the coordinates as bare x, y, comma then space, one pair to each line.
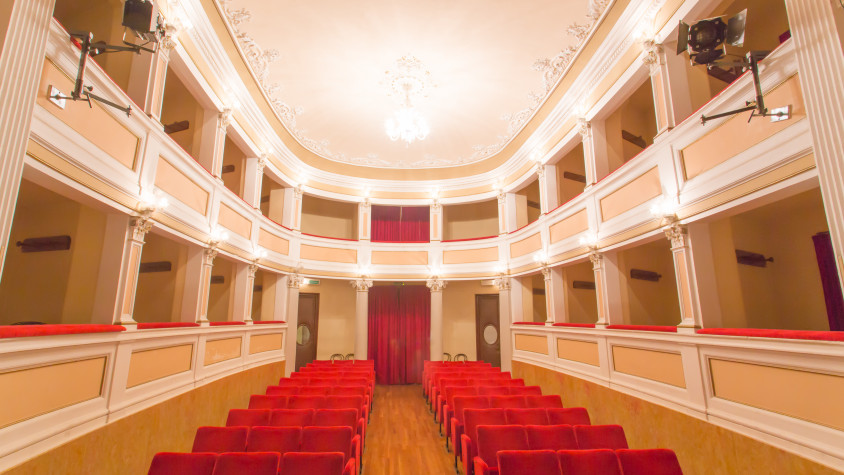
402, 437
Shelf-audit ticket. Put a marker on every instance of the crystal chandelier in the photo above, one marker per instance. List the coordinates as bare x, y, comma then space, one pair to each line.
408, 82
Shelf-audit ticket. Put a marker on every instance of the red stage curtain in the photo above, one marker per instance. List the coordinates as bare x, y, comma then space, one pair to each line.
386, 223
399, 332
829, 281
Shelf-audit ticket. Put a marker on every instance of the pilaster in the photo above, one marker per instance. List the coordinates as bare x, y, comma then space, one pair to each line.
364, 218
293, 281
361, 287
555, 295
253, 180
502, 213
244, 286
678, 235
594, 138
292, 216
147, 77
504, 321
548, 199
207, 263
607, 287
213, 144
436, 285
129, 268
436, 221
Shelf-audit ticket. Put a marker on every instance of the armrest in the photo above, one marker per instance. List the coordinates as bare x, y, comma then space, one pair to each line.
469, 453
349, 469
356, 452
481, 468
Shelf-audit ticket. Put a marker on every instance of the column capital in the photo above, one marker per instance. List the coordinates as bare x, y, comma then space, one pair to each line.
168, 41
540, 170
653, 55
596, 257
361, 285
252, 270
208, 255
436, 284
225, 118
677, 234
546, 272
298, 191
503, 283
263, 159
585, 128
140, 226
295, 281
502, 197
366, 204
435, 205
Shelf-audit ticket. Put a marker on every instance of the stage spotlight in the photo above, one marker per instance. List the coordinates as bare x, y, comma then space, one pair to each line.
141, 16
705, 40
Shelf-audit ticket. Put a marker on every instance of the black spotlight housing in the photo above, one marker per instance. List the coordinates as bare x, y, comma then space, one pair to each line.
705, 40
141, 16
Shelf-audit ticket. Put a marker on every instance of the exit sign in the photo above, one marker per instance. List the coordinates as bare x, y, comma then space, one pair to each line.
312, 281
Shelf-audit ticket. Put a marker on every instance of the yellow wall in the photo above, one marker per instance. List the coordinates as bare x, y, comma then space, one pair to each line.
232, 155
470, 220
572, 162
533, 304
220, 301
581, 304
531, 193
268, 198
329, 218
159, 294
459, 332
336, 331
179, 104
54, 286
645, 302
128, 445
787, 293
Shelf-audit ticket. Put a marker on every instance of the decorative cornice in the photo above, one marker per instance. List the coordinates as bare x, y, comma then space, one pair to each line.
361, 285
436, 284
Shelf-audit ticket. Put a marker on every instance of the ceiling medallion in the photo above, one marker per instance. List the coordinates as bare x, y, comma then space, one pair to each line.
408, 82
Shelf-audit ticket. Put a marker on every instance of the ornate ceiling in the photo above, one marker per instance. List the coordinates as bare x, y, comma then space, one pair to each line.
323, 64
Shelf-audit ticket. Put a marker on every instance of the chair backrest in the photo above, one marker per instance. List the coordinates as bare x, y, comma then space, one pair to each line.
519, 382
220, 439
248, 417
312, 463
575, 416
344, 402
525, 390
454, 391
291, 417
507, 401
551, 400
461, 403
588, 462
534, 462
336, 417
327, 439
172, 463
556, 437
348, 391
262, 401
274, 439
317, 390
609, 436
490, 439
306, 402
473, 418
283, 390
649, 462
289, 382
526, 416
493, 390
258, 463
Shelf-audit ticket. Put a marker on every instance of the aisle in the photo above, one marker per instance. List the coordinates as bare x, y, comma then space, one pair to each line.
402, 438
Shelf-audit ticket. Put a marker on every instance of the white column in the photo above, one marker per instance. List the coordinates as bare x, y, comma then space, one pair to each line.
275, 210
364, 218
108, 294
684, 274
705, 277
502, 213
436, 285
129, 268
517, 310
548, 200
292, 216
817, 38
213, 142
671, 81
594, 150
607, 288
198, 284
147, 77
22, 57
514, 206
436, 221
361, 317
244, 285
504, 322
555, 295
294, 281
253, 179
274, 297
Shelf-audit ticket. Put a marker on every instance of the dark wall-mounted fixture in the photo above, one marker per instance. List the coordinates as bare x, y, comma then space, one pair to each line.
648, 275
177, 126
574, 177
636, 140
158, 266
43, 244
583, 284
218, 279
227, 169
258, 288
752, 258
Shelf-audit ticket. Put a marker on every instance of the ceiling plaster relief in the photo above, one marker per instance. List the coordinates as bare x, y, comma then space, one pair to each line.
551, 70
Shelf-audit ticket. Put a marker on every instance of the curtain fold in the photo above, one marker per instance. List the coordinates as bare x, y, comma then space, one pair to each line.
829, 281
416, 224
386, 223
399, 332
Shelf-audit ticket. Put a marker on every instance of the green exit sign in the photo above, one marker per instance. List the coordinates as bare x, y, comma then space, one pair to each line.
312, 281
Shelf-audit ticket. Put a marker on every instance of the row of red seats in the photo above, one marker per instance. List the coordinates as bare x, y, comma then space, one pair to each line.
589, 462
482, 385
429, 368
513, 387
254, 463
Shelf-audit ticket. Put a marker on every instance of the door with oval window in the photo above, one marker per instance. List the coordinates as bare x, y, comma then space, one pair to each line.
306, 329
488, 336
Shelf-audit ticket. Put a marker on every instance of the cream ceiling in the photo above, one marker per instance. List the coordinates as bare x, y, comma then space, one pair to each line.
323, 64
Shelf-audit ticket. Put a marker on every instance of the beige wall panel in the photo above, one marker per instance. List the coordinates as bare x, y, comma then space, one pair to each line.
813, 397
336, 317
532, 343
703, 448
469, 256
576, 350
736, 135
179, 186
222, 350
459, 327
409, 258
149, 365
234, 222
93, 123
267, 342
27, 393
576, 223
655, 365
629, 196
128, 444
270, 241
328, 254
527, 245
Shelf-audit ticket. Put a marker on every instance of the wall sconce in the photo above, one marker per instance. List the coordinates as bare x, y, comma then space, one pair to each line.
589, 240
541, 258
217, 236
364, 271
260, 254
151, 202
666, 210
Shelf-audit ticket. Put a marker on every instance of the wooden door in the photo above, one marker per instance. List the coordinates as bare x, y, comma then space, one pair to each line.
306, 329
487, 333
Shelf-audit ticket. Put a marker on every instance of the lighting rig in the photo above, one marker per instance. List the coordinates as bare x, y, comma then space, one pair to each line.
706, 43
139, 16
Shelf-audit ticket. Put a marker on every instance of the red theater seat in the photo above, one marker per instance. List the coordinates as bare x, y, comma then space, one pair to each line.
493, 390
455, 428
609, 436
474, 418
258, 463
556, 437
588, 462
220, 439
274, 439
291, 417
248, 417
342, 418
320, 389
172, 463
526, 416
262, 401
525, 391
283, 390
505, 402
312, 463
329, 439
649, 462
551, 400
306, 402
490, 440
528, 462
569, 415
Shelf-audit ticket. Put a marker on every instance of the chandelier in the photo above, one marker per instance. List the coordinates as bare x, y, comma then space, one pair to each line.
409, 82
